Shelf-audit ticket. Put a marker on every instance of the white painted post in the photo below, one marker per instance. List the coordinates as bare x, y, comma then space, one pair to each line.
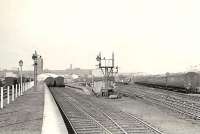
13, 93
16, 91
26, 86
8, 95
19, 90
22, 88
1, 97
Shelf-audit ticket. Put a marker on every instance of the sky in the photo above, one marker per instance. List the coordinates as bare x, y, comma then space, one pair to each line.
152, 36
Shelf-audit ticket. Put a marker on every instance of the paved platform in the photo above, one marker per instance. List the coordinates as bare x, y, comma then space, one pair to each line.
33, 113
25, 114
52, 120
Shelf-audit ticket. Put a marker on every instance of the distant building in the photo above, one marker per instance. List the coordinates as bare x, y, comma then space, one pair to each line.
40, 65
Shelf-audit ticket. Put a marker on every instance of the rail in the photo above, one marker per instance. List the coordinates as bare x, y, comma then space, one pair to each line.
179, 105
110, 119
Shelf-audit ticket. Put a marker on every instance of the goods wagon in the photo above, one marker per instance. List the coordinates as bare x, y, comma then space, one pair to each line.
50, 81
24, 79
9, 81
59, 81
1, 83
185, 82
192, 81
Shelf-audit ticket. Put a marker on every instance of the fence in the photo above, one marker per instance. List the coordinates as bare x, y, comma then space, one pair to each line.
10, 93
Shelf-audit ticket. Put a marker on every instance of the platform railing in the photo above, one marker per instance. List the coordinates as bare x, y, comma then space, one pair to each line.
11, 93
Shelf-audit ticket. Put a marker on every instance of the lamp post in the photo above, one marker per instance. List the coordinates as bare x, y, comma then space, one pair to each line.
21, 64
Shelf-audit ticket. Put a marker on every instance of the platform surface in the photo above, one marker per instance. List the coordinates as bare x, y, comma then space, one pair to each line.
25, 114
52, 120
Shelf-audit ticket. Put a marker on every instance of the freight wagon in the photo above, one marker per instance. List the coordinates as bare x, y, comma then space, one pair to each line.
59, 81
50, 82
185, 82
9, 81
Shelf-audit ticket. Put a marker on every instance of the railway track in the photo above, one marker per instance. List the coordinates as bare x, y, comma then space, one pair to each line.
174, 103
92, 115
183, 96
192, 100
80, 121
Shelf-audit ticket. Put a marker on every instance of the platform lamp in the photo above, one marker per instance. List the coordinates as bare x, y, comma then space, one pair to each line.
21, 64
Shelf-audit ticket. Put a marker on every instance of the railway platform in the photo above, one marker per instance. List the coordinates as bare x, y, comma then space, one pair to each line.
34, 112
52, 120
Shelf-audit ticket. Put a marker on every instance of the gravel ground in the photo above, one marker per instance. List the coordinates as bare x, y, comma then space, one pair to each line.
159, 117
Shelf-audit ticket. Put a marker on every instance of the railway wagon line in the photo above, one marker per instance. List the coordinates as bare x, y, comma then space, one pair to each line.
184, 107
183, 96
181, 82
109, 120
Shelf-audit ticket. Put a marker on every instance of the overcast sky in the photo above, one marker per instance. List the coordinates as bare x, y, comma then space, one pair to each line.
153, 36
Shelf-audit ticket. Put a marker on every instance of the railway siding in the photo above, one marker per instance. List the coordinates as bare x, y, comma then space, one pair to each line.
88, 114
176, 104
80, 121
